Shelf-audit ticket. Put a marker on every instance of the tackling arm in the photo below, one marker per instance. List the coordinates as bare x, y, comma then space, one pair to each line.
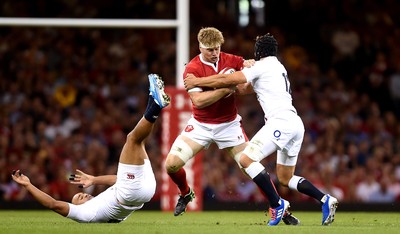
205, 98
215, 81
244, 89
43, 198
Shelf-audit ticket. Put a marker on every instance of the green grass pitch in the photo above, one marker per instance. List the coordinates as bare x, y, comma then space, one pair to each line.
219, 222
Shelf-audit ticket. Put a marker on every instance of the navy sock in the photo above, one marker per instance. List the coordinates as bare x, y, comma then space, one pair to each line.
267, 187
305, 186
152, 110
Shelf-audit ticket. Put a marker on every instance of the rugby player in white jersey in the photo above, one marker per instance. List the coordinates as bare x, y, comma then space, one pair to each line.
283, 130
133, 185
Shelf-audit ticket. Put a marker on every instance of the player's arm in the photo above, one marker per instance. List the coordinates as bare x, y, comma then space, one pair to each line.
43, 198
202, 99
244, 89
86, 180
215, 81
105, 180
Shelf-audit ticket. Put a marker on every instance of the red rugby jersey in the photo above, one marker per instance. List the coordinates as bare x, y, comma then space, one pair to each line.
224, 110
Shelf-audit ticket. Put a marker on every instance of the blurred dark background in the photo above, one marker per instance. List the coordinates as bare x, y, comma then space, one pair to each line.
69, 96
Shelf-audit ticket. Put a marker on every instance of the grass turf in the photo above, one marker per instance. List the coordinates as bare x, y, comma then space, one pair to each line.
220, 222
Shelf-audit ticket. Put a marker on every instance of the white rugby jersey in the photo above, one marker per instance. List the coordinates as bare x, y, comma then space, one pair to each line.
271, 84
101, 209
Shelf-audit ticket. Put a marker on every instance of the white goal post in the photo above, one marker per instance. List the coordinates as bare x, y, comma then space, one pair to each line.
181, 24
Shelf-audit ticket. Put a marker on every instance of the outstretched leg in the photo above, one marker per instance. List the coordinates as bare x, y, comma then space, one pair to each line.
261, 177
182, 150
328, 202
134, 151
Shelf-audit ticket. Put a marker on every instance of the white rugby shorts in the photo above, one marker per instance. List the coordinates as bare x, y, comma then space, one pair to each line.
136, 184
287, 133
224, 135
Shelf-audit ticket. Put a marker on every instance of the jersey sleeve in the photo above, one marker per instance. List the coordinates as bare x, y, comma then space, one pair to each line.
239, 62
231, 60
253, 72
193, 68
80, 214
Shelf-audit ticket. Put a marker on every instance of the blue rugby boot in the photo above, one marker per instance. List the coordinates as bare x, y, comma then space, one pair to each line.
278, 212
329, 206
157, 90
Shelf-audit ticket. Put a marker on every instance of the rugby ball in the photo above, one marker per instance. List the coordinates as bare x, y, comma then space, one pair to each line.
227, 70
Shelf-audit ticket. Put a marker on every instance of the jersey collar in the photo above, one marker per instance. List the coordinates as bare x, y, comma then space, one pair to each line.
214, 66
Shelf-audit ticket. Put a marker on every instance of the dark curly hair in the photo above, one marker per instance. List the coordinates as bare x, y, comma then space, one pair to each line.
265, 46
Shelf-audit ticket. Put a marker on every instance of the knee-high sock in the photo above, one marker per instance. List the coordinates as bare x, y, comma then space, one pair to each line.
264, 182
179, 179
257, 172
304, 186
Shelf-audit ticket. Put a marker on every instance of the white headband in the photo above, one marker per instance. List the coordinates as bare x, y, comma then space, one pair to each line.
207, 47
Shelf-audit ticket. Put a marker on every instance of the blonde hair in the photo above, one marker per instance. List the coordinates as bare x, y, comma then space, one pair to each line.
210, 37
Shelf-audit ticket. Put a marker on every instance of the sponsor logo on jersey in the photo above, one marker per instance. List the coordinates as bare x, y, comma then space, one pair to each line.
189, 128
277, 134
130, 176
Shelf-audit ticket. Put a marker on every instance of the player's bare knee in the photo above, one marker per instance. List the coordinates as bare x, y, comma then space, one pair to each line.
173, 169
132, 138
173, 163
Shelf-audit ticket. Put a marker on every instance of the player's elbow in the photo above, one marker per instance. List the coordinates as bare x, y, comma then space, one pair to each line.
52, 204
244, 89
59, 207
199, 102
199, 105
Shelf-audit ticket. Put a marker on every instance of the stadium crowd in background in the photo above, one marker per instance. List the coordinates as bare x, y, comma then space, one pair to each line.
68, 97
